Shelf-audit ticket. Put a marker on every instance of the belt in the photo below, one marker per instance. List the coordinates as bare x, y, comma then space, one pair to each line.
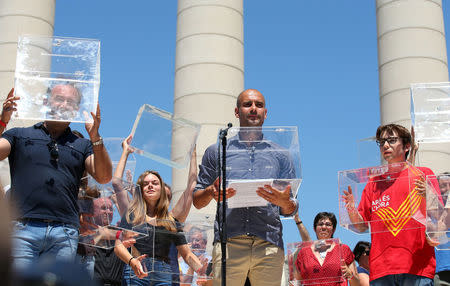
47, 221
38, 220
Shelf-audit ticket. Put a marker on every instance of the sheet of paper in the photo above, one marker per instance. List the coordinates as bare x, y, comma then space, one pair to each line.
246, 195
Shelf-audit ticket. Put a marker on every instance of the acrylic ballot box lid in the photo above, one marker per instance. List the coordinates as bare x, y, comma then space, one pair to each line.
102, 207
430, 111
369, 153
153, 136
164, 236
114, 147
438, 207
260, 156
315, 262
57, 78
388, 197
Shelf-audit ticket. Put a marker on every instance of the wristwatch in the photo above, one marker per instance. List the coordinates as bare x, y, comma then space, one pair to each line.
98, 142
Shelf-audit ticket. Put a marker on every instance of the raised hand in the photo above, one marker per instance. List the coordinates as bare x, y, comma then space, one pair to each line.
414, 148
126, 145
421, 186
349, 199
92, 128
9, 106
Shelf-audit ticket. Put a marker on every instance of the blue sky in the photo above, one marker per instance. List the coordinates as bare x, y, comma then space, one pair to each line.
315, 62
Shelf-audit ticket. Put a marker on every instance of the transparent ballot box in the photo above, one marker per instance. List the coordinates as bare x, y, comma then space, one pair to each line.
438, 207
57, 78
315, 262
158, 135
114, 147
258, 157
369, 153
163, 262
382, 199
102, 208
430, 111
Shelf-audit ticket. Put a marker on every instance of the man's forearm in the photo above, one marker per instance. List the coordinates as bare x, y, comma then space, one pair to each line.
202, 198
357, 221
102, 164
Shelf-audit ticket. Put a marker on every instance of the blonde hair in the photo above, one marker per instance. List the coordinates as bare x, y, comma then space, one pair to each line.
137, 211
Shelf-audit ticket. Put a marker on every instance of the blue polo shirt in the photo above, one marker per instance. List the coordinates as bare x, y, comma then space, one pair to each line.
442, 260
42, 187
260, 160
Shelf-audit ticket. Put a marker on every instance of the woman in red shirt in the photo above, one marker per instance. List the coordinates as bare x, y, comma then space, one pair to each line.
326, 261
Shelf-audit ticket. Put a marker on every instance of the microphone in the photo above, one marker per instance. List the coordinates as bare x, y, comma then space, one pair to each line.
224, 131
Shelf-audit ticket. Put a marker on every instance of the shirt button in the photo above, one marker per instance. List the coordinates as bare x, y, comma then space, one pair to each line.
246, 207
250, 169
246, 220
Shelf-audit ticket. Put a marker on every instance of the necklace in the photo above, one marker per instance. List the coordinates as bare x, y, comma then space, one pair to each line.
323, 254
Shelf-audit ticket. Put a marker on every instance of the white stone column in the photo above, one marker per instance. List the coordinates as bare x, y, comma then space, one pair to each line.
411, 49
209, 71
18, 17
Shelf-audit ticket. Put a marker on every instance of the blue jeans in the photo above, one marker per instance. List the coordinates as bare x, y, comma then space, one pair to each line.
160, 275
402, 280
87, 263
32, 239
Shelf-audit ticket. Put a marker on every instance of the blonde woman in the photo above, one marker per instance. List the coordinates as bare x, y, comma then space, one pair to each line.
148, 211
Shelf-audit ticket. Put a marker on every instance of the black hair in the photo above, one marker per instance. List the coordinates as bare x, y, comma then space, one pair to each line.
360, 248
327, 215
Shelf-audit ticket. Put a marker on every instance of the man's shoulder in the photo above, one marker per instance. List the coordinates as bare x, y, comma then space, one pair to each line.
70, 137
211, 151
29, 131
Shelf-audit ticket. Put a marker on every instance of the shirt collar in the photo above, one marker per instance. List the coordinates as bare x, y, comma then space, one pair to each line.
236, 141
40, 125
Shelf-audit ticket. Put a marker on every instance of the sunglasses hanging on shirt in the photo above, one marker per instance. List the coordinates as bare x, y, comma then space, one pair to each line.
53, 148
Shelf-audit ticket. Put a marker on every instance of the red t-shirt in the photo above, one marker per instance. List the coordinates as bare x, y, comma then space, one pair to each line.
398, 240
327, 274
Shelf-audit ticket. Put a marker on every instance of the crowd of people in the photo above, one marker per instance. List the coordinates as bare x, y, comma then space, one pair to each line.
53, 206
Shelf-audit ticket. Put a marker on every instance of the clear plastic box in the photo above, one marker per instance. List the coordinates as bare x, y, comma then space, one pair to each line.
57, 78
430, 111
174, 269
153, 136
114, 147
389, 194
101, 207
315, 262
438, 207
369, 153
260, 156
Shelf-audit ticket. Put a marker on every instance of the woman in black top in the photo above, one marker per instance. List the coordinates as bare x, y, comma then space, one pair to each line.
148, 212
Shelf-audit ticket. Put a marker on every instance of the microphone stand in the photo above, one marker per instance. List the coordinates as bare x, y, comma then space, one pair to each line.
221, 220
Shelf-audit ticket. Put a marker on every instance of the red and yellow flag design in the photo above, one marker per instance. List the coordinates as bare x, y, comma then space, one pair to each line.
395, 220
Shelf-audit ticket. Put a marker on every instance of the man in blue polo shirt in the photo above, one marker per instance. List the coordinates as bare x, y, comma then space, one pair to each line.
46, 163
254, 234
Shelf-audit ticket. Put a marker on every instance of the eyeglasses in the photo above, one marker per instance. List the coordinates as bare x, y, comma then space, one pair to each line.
390, 141
53, 148
329, 224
